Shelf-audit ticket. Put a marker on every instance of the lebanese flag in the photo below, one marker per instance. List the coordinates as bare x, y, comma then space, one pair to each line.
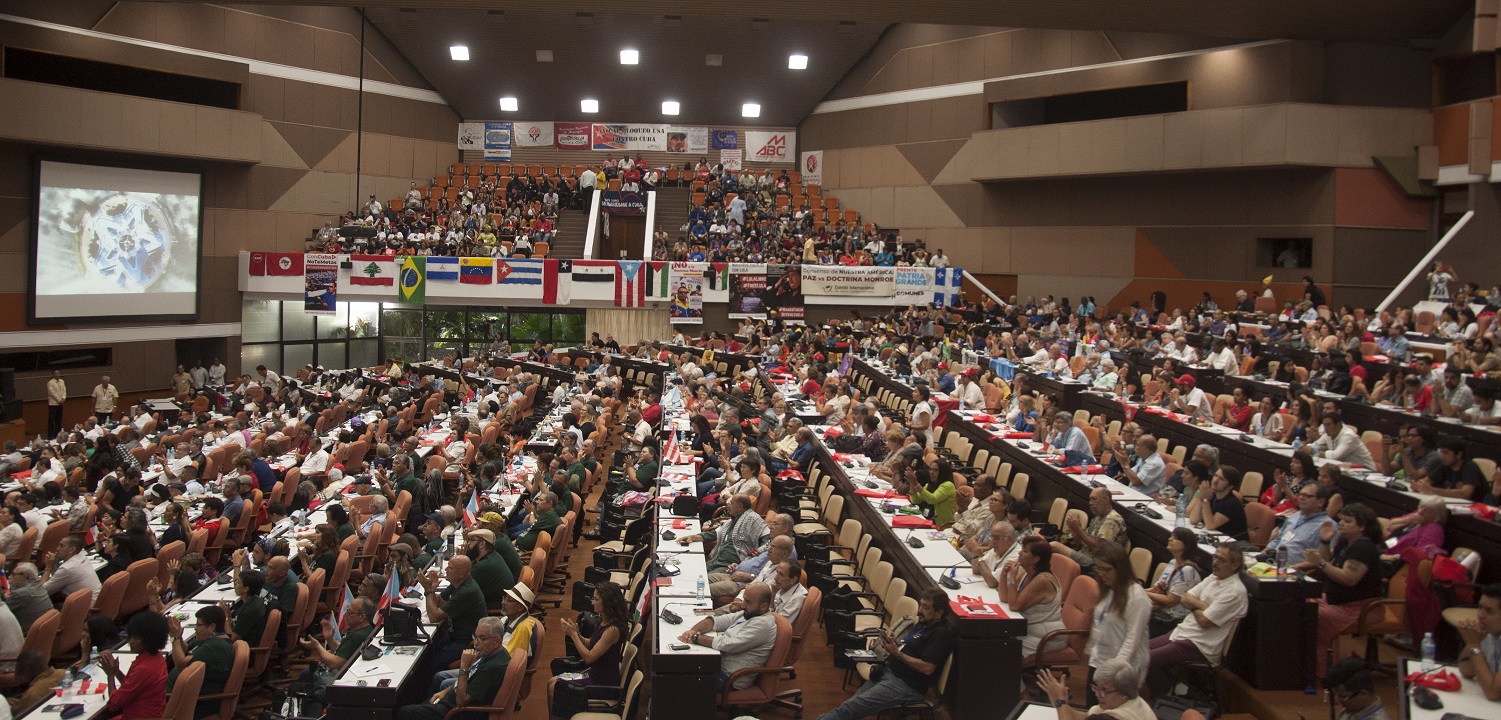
264, 263
630, 284
375, 270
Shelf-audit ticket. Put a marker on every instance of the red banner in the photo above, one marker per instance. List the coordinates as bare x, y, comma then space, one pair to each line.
572, 136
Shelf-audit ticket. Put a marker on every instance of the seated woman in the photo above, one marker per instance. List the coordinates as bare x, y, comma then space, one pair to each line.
1180, 575
597, 658
1422, 530
142, 691
1348, 560
934, 490
1029, 587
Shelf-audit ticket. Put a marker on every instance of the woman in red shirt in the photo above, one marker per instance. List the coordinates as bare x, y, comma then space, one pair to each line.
142, 692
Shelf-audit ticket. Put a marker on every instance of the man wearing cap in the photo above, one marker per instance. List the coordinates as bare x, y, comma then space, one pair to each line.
399, 562
495, 523
519, 631
462, 603
1188, 399
432, 529
490, 571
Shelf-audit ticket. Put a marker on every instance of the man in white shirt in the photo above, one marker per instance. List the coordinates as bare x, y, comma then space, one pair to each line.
1149, 472
105, 395
1188, 399
216, 373
743, 641
938, 260
1222, 358
316, 462
1069, 439
269, 380
971, 397
1340, 443
199, 374
69, 569
57, 394
1003, 548
1214, 605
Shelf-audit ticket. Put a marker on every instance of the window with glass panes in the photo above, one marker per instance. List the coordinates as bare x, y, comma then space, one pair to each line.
284, 338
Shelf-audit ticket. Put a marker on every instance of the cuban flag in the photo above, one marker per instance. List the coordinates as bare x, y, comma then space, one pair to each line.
471, 510
443, 268
630, 284
476, 271
519, 272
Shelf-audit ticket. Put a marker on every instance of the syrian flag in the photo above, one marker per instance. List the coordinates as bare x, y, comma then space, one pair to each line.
471, 510
557, 282
372, 270
630, 284
594, 271
443, 268
269, 263
719, 276
658, 280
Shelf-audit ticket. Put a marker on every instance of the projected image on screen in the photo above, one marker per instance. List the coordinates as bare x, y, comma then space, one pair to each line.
105, 232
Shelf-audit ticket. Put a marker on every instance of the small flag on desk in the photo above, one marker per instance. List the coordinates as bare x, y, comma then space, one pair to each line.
471, 510
390, 596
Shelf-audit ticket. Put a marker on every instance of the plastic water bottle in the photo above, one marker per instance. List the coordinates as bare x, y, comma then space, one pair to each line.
94, 655
1282, 561
700, 586
1428, 664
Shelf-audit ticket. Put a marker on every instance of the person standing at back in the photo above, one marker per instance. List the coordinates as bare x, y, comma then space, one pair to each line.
57, 394
105, 395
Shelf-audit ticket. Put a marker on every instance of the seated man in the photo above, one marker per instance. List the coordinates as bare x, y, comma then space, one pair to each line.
544, 519
744, 639
210, 646
1483, 663
462, 601
1214, 605
729, 585
912, 663
482, 668
336, 650
1106, 525
1350, 682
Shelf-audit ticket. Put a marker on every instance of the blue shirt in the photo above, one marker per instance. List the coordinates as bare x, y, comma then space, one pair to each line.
1299, 533
1075, 447
1152, 472
265, 477
756, 563
1396, 348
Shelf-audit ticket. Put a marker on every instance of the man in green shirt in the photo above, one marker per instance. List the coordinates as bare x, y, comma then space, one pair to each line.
576, 472
462, 603
496, 523
281, 584
335, 653
482, 668
432, 530
544, 519
248, 619
644, 474
491, 572
401, 470
209, 646
560, 487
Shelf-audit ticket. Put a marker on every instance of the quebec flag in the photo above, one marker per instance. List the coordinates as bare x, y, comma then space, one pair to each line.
946, 286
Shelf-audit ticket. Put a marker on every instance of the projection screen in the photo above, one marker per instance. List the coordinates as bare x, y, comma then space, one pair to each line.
115, 243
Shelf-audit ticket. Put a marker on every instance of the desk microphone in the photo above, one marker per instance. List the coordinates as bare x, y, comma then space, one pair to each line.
947, 579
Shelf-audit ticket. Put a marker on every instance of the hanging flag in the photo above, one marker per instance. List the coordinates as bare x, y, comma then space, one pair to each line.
719, 276
266, 263
630, 284
343, 622
413, 276
557, 282
658, 284
443, 268
601, 271
477, 270
946, 286
519, 272
372, 270
471, 510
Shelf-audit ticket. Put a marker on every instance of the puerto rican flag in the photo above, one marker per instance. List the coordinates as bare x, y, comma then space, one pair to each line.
342, 623
630, 284
390, 596
471, 510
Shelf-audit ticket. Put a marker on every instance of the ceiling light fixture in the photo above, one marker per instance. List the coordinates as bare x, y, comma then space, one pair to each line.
589, 106
459, 52
508, 104
544, 56
713, 59
670, 107
797, 62
750, 110
630, 57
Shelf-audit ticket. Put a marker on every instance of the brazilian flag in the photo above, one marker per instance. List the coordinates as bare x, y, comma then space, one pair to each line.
411, 280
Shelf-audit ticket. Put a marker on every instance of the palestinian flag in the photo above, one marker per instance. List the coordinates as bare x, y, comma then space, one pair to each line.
658, 280
718, 275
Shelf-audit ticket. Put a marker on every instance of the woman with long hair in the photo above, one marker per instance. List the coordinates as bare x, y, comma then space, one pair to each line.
1122, 616
1348, 558
600, 652
178, 526
1301, 470
142, 691
1180, 575
937, 491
